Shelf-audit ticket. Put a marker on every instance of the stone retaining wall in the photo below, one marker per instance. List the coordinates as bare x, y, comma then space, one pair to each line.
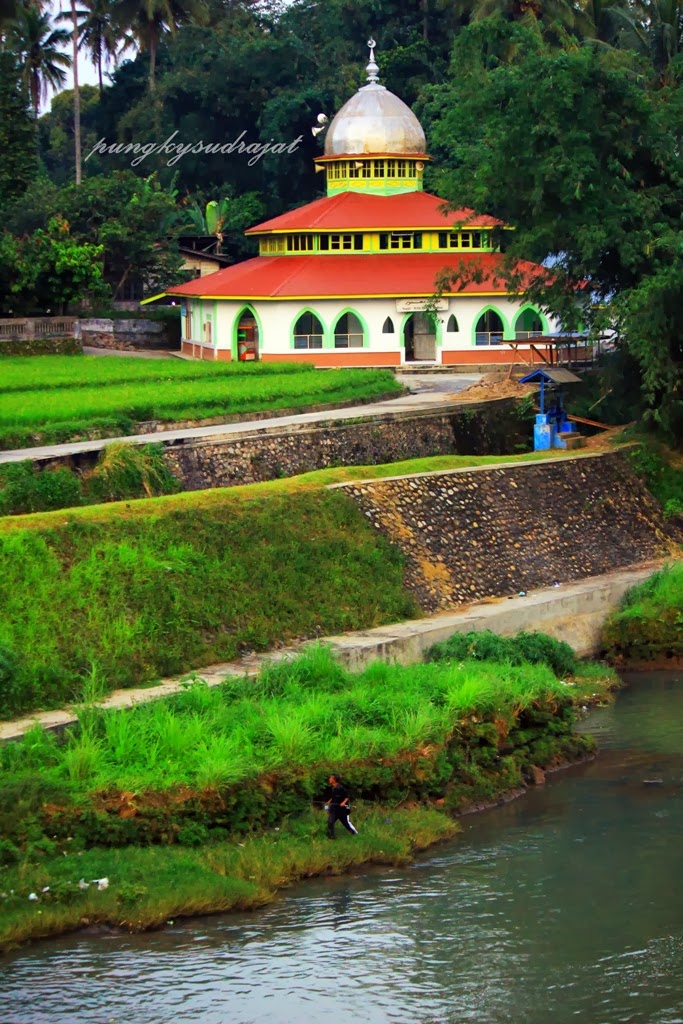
492, 428
128, 335
472, 534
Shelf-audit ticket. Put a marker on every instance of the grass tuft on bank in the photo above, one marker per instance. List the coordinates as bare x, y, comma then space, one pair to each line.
648, 626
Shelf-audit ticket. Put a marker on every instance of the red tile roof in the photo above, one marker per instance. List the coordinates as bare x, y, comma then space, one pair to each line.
357, 211
350, 276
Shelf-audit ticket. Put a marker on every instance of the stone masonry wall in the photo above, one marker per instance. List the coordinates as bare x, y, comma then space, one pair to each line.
128, 335
488, 429
483, 533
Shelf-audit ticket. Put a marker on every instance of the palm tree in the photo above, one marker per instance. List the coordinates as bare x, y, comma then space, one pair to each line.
149, 20
664, 27
97, 33
38, 46
614, 23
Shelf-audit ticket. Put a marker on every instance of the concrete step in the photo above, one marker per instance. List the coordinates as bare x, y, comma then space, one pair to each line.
573, 440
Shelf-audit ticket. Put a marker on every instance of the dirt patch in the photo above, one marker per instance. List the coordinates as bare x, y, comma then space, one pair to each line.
497, 385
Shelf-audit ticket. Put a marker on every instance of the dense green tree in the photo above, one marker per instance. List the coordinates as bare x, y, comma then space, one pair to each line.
134, 219
56, 134
588, 171
148, 21
17, 132
38, 46
49, 271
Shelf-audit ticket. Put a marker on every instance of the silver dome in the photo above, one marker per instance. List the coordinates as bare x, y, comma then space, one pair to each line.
375, 121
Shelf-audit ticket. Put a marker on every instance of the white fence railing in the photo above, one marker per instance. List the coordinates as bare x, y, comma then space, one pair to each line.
38, 327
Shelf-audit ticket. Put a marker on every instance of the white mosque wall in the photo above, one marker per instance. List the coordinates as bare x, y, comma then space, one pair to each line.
276, 321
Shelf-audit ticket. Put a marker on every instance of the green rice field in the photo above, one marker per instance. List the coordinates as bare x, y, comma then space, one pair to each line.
58, 398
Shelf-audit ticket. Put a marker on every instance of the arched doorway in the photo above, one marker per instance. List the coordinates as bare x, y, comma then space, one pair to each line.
489, 330
247, 337
419, 338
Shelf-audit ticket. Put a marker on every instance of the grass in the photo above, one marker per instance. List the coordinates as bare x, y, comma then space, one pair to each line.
182, 585
151, 798
141, 589
661, 470
150, 886
123, 470
301, 714
216, 497
67, 372
83, 396
649, 623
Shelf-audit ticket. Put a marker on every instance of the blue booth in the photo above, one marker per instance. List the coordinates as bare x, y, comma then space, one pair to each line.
553, 429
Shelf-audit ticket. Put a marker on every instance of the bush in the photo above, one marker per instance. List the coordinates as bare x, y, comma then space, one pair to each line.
23, 488
660, 476
9, 853
649, 623
534, 648
126, 470
246, 755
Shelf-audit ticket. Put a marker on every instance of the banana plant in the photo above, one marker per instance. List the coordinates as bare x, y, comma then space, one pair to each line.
210, 221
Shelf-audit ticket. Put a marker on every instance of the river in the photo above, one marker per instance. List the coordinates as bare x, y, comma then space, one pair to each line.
566, 905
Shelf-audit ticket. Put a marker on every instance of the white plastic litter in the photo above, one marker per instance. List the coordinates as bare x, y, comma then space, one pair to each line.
32, 896
46, 888
83, 884
102, 883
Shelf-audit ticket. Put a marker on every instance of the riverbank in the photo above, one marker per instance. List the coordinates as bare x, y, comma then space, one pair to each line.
203, 803
646, 631
149, 887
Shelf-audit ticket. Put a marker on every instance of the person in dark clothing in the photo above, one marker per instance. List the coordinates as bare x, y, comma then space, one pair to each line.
339, 807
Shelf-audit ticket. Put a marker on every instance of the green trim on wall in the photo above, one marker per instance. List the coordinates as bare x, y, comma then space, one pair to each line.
235, 324
316, 314
366, 331
508, 334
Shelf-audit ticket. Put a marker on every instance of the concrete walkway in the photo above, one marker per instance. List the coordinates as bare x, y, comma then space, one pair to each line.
441, 397
573, 612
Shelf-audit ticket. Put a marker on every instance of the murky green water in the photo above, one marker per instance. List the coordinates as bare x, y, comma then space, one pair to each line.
564, 906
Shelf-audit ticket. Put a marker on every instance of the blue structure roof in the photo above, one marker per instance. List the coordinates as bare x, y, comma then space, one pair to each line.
550, 375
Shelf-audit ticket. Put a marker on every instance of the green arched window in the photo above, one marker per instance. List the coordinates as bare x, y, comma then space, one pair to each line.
489, 328
348, 332
528, 324
308, 331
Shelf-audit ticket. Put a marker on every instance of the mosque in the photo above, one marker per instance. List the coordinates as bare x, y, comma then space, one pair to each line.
352, 279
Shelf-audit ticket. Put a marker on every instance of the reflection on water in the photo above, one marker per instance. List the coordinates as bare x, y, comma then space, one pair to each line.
564, 906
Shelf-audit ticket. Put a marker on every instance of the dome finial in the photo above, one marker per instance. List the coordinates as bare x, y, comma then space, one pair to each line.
372, 68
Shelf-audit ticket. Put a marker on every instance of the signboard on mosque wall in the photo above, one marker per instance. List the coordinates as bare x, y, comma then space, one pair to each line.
419, 305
